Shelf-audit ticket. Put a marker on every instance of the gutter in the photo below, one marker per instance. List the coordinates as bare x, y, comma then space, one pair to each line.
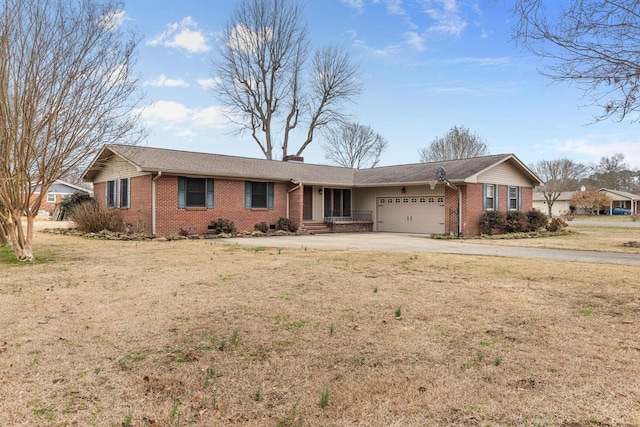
153, 202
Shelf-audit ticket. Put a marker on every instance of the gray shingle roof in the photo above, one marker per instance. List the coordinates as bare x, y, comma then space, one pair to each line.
456, 170
147, 159
623, 194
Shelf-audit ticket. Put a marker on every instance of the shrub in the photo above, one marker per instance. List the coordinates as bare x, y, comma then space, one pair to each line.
516, 222
556, 224
262, 227
285, 224
223, 226
91, 217
537, 220
492, 222
69, 203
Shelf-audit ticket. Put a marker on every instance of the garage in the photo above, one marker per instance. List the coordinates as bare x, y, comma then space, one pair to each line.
411, 214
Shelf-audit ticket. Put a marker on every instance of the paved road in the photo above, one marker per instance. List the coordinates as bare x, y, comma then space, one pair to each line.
628, 223
422, 243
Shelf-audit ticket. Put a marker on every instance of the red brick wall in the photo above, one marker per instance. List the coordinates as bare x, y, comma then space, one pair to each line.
472, 209
527, 199
472, 203
138, 215
44, 205
228, 205
296, 205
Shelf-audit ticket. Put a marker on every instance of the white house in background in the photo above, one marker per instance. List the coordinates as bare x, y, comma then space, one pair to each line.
619, 199
560, 206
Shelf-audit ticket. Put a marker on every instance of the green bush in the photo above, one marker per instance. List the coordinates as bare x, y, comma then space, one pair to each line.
285, 224
91, 217
69, 203
516, 222
223, 226
493, 222
556, 224
537, 220
262, 227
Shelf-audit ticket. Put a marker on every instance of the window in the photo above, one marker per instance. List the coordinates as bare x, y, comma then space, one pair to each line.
258, 195
337, 202
117, 193
51, 198
124, 193
490, 197
515, 198
195, 192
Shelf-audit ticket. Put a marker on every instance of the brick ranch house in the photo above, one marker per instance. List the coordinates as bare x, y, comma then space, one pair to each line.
166, 191
57, 191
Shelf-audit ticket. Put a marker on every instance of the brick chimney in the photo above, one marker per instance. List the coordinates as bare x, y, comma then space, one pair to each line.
292, 158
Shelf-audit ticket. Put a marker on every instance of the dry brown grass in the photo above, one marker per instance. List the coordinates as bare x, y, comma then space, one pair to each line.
198, 333
581, 238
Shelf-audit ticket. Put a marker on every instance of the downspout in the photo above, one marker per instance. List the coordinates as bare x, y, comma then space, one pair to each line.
153, 202
297, 187
459, 212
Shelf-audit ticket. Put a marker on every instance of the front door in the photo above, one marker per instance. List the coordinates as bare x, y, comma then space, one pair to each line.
307, 203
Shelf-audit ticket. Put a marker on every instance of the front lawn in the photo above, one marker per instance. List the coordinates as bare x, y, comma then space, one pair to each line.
113, 333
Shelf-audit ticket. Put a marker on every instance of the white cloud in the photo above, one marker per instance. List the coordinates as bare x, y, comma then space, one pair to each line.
447, 16
485, 61
394, 7
163, 81
207, 84
595, 147
184, 35
362, 44
118, 75
113, 19
415, 40
244, 39
183, 121
356, 4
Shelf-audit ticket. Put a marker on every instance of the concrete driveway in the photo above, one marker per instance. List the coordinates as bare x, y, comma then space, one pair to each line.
423, 243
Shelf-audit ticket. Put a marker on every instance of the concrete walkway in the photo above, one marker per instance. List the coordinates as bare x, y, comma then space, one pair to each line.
423, 243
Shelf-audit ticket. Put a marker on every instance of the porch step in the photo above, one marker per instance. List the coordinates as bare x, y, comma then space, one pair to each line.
316, 227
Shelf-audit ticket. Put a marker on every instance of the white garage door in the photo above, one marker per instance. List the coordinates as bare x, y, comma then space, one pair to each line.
411, 214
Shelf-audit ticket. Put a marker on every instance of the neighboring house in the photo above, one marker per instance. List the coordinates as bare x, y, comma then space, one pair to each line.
167, 191
619, 199
622, 199
560, 207
57, 191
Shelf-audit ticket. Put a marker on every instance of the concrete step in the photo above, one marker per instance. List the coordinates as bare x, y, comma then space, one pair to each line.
316, 227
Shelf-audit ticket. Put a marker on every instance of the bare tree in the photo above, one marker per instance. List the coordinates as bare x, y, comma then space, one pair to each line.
353, 145
612, 172
263, 81
4, 238
458, 143
558, 176
591, 43
65, 90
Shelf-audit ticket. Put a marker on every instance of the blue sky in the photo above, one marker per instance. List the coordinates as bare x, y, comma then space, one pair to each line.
427, 65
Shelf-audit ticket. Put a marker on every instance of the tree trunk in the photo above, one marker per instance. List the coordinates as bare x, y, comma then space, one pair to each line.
4, 238
21, 241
